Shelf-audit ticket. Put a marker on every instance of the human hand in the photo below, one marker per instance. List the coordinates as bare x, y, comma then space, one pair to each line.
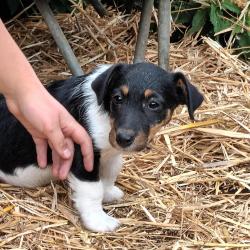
50, 123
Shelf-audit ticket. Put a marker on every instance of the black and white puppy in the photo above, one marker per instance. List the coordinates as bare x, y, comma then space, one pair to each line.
121, 106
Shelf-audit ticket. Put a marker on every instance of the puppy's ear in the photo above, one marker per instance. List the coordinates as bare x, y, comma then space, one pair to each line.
101, 84
187, 93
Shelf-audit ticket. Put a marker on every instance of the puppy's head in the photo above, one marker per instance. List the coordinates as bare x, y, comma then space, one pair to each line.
140, 98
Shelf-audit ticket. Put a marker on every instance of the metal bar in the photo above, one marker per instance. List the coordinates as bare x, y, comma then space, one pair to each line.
98, 6
164, 33
144, 26
59, 37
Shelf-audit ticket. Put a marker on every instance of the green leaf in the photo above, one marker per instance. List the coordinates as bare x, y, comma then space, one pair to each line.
229, 5
199, 20
237, 29
216, 18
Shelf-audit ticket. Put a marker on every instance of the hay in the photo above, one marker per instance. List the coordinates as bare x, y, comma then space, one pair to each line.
189, 190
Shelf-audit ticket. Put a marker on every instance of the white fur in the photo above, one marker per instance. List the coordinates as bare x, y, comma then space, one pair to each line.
110, 166
112, 194
31, 176
99, 122
88, 198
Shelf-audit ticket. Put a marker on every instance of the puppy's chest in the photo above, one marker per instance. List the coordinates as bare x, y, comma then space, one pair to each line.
99, 128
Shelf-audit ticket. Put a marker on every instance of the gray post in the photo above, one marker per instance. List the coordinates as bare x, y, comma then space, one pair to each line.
99, 8
59, 37
144, 26
164, 33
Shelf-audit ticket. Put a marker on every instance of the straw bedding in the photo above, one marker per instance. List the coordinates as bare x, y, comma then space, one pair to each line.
188, 190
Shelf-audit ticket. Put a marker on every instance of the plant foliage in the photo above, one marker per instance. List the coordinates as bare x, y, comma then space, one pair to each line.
224, 20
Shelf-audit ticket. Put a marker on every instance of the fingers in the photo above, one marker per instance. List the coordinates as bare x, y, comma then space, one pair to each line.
41, 151
61, 167
66, 164
58, 141
88, 158
79, 135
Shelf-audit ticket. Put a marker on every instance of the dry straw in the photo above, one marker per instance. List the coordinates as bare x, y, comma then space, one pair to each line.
188, 190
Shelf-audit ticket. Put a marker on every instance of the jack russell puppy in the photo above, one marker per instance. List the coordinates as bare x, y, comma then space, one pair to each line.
121, 106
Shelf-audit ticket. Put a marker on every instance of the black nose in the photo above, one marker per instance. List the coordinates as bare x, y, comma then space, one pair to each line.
125, 137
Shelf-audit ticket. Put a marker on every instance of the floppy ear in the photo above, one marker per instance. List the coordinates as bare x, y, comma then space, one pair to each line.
187, 93
101, 84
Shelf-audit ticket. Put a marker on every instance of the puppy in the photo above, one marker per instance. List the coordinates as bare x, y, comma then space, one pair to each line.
121, 106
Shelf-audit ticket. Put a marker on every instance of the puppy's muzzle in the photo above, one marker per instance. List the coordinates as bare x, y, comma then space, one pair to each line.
125, 137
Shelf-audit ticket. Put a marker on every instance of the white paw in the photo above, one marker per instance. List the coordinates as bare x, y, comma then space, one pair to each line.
112, 194
100, 222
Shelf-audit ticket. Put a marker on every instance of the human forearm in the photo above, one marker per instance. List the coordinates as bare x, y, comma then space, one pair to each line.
16, 74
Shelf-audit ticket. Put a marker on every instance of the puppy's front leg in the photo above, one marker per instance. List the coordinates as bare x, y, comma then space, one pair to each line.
111, 164
88, 196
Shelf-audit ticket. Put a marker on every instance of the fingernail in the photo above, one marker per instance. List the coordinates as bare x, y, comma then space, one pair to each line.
67, 153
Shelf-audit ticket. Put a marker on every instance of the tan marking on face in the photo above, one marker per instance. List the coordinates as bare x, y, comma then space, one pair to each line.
139, 143
148, 93
124, 89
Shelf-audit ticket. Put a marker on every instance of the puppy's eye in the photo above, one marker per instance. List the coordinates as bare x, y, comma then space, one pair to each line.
153, 105
117, 99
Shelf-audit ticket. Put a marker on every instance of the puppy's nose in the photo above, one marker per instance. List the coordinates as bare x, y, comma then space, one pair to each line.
125, 137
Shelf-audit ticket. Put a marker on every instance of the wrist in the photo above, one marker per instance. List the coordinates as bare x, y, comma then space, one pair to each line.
27, 98
22, 85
